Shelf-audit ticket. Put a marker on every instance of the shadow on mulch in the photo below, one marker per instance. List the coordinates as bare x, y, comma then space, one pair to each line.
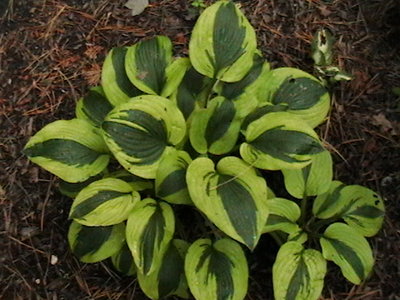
51, 52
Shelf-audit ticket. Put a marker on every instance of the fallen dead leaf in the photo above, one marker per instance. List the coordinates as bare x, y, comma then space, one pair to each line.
137, 6
386, 125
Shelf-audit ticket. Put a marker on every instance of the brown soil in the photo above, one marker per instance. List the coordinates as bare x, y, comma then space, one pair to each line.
51, 52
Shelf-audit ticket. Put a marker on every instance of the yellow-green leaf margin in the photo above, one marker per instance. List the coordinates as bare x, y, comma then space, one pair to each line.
215, 129
170, 180
70, 149
280, 140
149, 230
123, 261
299, 93
141, 131
223, 43
94, 106
169, 278
104, 202
232, 196
298, 273
94, 244
150, 67
349, 250
283, 215
114, 80
312, 180
358, 206
216, 271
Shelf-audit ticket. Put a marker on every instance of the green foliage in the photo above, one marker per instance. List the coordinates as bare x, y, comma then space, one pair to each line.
198, 3
197, 136
322, 54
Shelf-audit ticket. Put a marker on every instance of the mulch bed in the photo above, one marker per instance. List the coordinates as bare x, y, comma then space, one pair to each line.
51, 52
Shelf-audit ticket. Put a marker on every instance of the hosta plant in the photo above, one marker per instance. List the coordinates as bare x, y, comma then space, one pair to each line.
166, 142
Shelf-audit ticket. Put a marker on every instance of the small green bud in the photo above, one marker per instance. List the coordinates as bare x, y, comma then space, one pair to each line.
321, 47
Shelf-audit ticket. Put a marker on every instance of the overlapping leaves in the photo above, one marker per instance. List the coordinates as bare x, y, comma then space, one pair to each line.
283, 215
114, 79
175, 126
170, 180
358, 206
312, 180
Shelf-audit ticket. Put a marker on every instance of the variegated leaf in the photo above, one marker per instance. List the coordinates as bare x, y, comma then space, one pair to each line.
299, 236
169, 278
358, 206
321, 47
175, 73
283, 215
261, 111
137, 183
104, 202
123, 261
349, 250
223, 43
232, 196
299, 92
326, 205
298, 273
71, 150
93, 107
149, 230
171, 178
191, 92
150, 67
362, 209
244, 93
146, 63
141, 131
72, 189
216, 271
94, 244
312, 180
114, 80
279, 140
215, 129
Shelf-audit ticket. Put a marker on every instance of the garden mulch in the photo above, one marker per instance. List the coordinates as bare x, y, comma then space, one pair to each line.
51, 52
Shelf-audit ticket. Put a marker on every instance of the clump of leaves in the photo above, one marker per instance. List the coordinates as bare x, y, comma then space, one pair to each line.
199, 136
322, 54
199, 4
